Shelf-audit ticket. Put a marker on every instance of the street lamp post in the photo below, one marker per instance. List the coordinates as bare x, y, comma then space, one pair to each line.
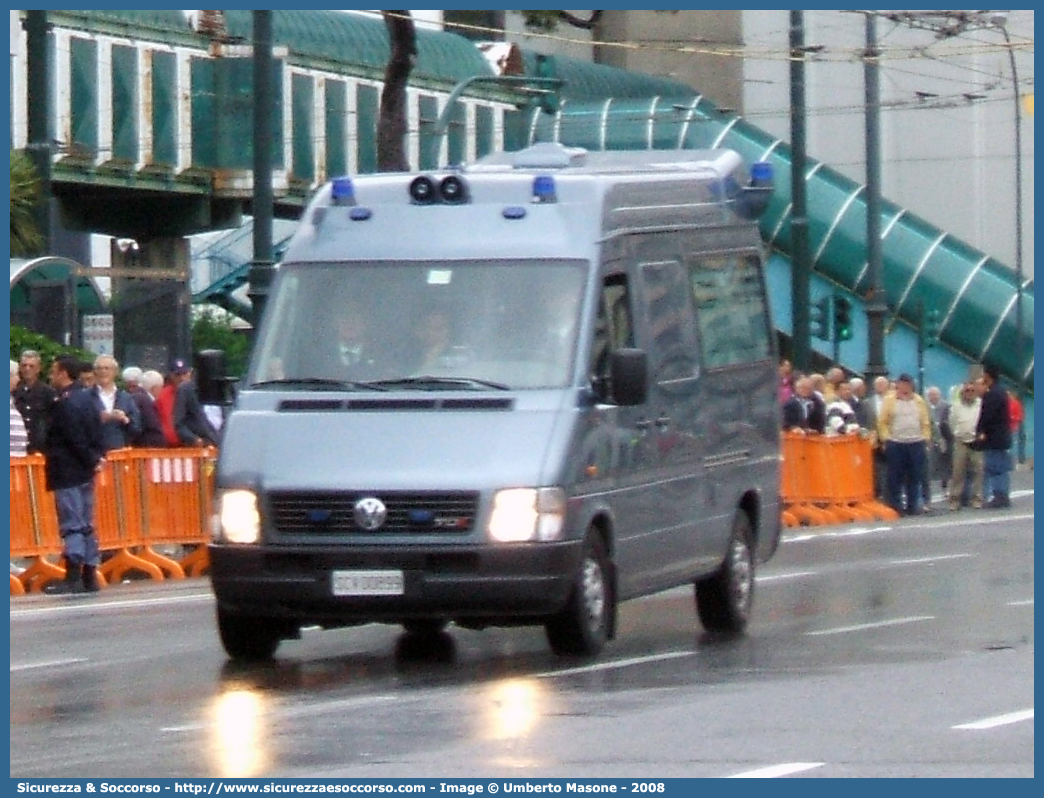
877, 305
262, 267
1000, 20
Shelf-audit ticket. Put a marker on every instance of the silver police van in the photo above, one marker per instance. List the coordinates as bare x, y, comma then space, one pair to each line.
519, 392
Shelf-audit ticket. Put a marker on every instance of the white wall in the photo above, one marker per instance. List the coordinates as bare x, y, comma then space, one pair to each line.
948, 159
564, 40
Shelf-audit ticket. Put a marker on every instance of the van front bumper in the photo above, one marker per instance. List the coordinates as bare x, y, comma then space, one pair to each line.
509, 583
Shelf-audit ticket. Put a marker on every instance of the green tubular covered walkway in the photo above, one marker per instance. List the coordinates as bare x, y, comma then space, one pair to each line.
974, 294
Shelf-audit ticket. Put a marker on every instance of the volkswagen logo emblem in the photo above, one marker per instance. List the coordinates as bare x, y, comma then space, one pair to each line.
370, 513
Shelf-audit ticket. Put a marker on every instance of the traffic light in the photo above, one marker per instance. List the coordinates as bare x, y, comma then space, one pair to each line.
842, 318
932, 321
819, 319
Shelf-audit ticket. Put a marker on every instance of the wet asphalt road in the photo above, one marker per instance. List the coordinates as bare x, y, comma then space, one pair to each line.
872, 651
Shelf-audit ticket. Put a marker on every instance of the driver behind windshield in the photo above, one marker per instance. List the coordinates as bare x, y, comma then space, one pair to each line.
354, 348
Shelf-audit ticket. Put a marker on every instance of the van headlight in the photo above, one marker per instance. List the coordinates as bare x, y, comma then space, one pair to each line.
238, 517
527, 514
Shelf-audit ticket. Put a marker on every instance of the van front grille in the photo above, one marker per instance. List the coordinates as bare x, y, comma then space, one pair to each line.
334, 512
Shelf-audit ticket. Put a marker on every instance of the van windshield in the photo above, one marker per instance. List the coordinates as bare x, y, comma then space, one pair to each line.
420, 326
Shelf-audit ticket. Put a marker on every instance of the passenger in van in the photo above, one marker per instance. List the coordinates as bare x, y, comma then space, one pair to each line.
434, 334
355, 351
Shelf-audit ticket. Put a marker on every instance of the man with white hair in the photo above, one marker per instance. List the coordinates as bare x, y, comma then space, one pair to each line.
834, 377
805, 411
121, 420
873, 411
144, 396
131, 378
151, 382
863, 408
967, 473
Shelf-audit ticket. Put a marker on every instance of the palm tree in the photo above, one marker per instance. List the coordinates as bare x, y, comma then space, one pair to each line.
25, 193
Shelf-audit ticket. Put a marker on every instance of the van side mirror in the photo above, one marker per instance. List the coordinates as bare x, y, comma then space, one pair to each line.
629, 376
211, 383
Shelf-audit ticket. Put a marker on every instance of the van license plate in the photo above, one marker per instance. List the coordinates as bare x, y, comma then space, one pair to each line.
367, 583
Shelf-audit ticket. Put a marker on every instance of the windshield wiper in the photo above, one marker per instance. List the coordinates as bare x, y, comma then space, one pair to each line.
319, 382
442, 382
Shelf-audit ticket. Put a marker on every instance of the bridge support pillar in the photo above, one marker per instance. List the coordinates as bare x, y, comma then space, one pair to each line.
152, 314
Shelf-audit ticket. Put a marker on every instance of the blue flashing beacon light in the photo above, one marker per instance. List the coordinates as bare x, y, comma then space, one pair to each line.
544, 189
342, 192
761, 174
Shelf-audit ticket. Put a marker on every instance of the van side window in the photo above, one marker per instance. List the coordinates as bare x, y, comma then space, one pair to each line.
731, 308
673, 348
613, 328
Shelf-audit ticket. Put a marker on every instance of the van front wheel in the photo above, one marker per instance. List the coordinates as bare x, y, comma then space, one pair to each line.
581, 628
424, 626
724, 600
247, 639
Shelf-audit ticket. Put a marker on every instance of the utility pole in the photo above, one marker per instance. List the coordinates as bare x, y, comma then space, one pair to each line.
799, 291
876, 306
921, 340
1000, 20
38, 89
262, 266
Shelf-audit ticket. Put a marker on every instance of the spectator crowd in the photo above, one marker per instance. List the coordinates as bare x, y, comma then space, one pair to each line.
962, 442
82, 412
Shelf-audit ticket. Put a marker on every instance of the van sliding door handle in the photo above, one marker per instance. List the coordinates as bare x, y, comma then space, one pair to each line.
663, 421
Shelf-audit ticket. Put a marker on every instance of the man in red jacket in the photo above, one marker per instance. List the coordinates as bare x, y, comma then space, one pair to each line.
1015, 412
165, 395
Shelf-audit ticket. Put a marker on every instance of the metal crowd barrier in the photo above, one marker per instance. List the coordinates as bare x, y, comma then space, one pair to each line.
149, 498
144, 499
828, 479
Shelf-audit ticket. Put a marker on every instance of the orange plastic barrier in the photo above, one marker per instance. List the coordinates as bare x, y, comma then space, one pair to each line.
143, 498
798, 490
828, 480
176, 490
34, 525
117, 520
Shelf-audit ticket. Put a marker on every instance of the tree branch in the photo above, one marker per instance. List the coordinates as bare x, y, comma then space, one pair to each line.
577, 22
391, 128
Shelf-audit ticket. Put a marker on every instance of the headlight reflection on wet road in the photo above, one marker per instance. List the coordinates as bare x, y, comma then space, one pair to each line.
239, 742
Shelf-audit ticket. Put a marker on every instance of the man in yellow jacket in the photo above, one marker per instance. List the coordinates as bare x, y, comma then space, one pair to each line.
904, 428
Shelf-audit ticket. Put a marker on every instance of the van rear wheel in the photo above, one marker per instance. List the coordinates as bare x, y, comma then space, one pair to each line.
248, 639
724, 600
581, 628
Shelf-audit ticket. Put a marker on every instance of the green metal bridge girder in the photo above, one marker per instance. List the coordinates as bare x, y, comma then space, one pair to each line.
109, 173
975, 293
